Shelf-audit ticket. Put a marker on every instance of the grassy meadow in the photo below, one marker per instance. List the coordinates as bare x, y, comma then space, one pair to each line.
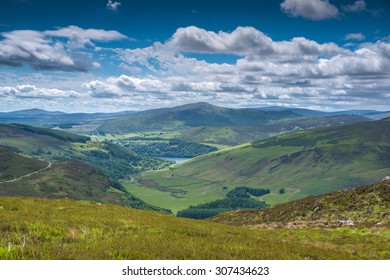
67, 229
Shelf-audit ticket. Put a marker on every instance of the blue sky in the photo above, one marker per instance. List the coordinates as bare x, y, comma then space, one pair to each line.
131, 55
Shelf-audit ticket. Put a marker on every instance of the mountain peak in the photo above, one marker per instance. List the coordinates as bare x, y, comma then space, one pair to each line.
197, 105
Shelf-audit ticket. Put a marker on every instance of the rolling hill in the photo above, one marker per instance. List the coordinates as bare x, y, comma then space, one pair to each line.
197, 122
49, 144
239, 134
292, 166
191, 115
66, 229
29, 177
13, 165
364, 206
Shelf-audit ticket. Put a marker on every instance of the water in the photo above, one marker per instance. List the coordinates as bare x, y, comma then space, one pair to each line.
176, 159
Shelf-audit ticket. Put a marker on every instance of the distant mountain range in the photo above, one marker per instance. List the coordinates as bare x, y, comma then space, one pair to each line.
194, 114
372, 114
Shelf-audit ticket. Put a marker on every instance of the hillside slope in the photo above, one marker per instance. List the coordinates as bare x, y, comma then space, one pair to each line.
13, 165
73, 179
49, 144
238, 134
66, 229
191, 115
292, 166
362, 206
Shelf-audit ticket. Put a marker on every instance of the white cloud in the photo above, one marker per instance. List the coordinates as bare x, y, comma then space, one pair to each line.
310, 9
79, 37
299, 72
41, 51
34, 92
295, 71
355, 36
125, 86
243, 41
113, 6
358, 6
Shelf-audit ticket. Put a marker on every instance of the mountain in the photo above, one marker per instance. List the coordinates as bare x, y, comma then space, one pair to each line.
201, 122
292, 166
364, 206
300, 111
49, 144
59, 229
372, 114
239, 134
191, 115
29, 177
38, 117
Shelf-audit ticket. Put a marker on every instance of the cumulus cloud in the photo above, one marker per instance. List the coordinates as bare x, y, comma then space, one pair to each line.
310, 9
243, 41
79, 37
40, 50
113, 6
355, 36
272, 71
125, 86
295, 72
33, 92
358, 6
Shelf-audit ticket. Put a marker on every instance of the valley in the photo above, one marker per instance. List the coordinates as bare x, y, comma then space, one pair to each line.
300, 176
302, 163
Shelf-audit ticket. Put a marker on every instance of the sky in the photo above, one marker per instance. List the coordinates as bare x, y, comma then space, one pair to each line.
115, 55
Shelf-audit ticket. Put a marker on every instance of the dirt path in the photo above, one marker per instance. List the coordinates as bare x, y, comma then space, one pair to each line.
27, 175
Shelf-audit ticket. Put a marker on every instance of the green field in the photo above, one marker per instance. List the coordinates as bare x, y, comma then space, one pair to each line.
67, 229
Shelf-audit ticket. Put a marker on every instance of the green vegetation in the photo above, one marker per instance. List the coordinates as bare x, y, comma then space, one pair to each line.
303, 163
67, 229
13, 165
58, 134
365, 206
211, 209
65, 179
245, 192
160, 147
48, 144
238, 134
190, 115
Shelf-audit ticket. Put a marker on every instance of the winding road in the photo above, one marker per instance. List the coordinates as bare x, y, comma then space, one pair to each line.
28, 174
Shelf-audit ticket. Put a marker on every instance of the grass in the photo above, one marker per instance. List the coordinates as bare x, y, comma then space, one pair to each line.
175, 197
67, 229
14, 166
366, 206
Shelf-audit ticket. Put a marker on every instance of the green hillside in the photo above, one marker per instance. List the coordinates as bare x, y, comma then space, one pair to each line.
238, 134
49, 144
13, 165
29, 177
292, 166
365, 206
190, 115
68, 229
